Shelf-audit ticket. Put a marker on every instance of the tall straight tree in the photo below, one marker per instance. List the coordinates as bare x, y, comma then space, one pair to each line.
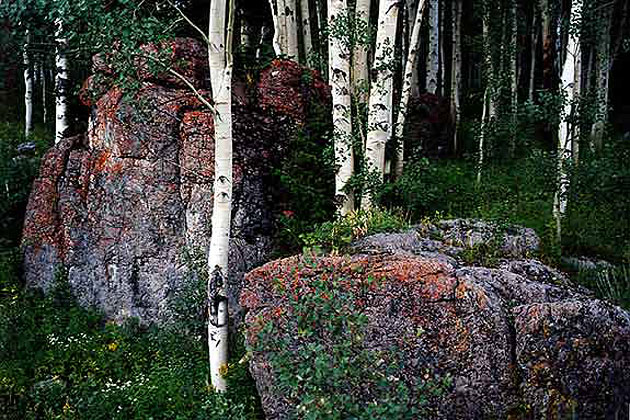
307, 40
339, 74
602, 72
433, 56
407, 85
360, 65
456, 67
61, 82
28, 87
220, 61
380, 110
534, 31
292, 29
567, 131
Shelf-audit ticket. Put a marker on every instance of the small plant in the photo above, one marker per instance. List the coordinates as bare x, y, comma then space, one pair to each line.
341, 232
614, 285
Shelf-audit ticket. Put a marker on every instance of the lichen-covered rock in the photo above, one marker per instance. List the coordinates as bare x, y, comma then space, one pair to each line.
517, 341
122, 208
288, 88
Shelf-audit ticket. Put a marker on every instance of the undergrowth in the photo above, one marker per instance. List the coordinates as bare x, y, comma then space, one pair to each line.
62, 361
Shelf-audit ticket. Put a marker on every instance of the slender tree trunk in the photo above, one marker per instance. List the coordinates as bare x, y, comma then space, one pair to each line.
547, 38
44, 87
482, 134
220, 61
360, 66
602, 80
292, 29
28, 87
513, 73
307, 41
456, 69
489, 67
61, 84
567, 131
409, 69
339, 74
533, 51
380, 114
433, 57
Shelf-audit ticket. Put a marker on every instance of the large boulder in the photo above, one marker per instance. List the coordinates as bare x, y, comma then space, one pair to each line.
125, 210
516, 341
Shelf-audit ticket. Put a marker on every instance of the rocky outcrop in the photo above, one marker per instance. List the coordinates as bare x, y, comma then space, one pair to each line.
123, 208
516, 341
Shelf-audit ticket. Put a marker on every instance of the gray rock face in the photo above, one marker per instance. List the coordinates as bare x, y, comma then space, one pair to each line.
123, 207
518, 341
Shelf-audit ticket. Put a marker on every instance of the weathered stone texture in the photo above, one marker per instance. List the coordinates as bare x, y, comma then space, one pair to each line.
518, 341
119, 207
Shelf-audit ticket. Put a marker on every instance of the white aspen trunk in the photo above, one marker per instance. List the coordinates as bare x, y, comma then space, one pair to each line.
61, 84
307, 41
603, 80
482, 135
534, 48
292, 29
547, 44
360, 65
278, 14
380, 109
433, 57
513, 73
456, 69
441, 69
409, 70
28, 88
220, 61
567, 133
282, 25
489, 68
44, 99
339, 75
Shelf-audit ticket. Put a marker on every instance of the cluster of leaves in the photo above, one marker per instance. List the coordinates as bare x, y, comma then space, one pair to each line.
326, 371
62, 361
338, 234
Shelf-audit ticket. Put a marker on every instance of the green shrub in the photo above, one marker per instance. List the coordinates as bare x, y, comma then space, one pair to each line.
340, 233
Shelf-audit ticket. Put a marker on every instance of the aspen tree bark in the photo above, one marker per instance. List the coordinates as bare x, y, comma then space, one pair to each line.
409, 70
44, 97
278, 14
489, 68
547, 39
220, 61
291, 29
513, 73
534, 31
307, 41
482, 135
360, 66
433, 57
380, 112
602, 82
61, 83
567, 132
456, 68
28, 87
339, 75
